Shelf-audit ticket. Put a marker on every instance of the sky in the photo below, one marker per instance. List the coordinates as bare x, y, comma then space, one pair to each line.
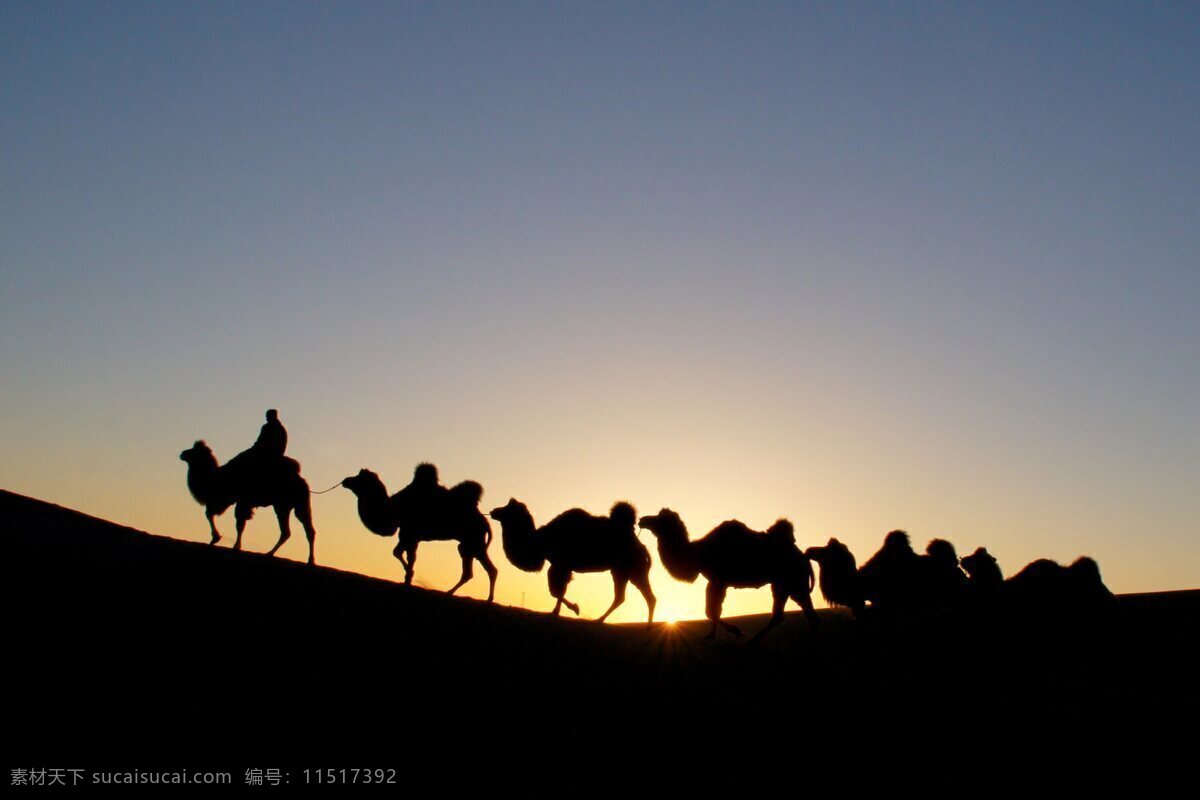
861, 265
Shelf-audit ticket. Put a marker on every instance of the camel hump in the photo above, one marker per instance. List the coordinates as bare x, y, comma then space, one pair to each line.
731, 530
573, 520
425, 473
623, 514
1038, 569
468, 492
782, 531
942, 551
897, 541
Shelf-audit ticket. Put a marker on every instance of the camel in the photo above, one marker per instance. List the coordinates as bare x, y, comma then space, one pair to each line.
889, 578
839, 581
898, 580
984, 578
943, 585
1042, 585
1047, 585
426, 511
236, 484
733, 555
576, 541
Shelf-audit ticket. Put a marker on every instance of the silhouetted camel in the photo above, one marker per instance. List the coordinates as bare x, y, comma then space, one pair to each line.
576, 541
733, 556
278, 485
1043, 585
839, 581
426, 511
889, 578
1047, 585
941, 584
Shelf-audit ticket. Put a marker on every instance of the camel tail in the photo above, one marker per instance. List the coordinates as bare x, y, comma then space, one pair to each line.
642, 556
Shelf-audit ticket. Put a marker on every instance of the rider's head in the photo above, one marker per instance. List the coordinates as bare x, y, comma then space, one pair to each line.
272, 415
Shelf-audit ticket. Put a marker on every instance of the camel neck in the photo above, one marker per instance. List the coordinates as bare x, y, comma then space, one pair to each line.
200, 478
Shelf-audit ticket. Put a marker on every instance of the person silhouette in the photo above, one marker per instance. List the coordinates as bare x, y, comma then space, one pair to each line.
260, 461
272, 439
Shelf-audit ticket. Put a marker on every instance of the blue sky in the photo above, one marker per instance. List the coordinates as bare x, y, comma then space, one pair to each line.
861, 265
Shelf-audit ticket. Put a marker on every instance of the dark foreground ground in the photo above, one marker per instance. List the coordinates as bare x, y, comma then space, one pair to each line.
131, 651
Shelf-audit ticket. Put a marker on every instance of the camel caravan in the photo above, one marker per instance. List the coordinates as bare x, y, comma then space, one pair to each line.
895, 581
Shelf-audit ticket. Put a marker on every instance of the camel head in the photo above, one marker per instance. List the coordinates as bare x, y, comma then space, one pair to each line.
665, 523
980, 564
830, 552
198, 454
363, 481
835, 559
511, 511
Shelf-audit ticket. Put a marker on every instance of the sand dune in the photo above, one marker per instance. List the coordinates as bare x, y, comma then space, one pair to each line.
125, 645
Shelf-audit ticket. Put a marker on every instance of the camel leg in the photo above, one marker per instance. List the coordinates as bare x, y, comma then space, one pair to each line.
399, 554
304, 514
804, 599
779, 600
241, 514
311, 533
490, 569
714, 599
641, 580
410, 566
468, 571
284, 515
558, 578
620, 581
557, 583
212, 524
